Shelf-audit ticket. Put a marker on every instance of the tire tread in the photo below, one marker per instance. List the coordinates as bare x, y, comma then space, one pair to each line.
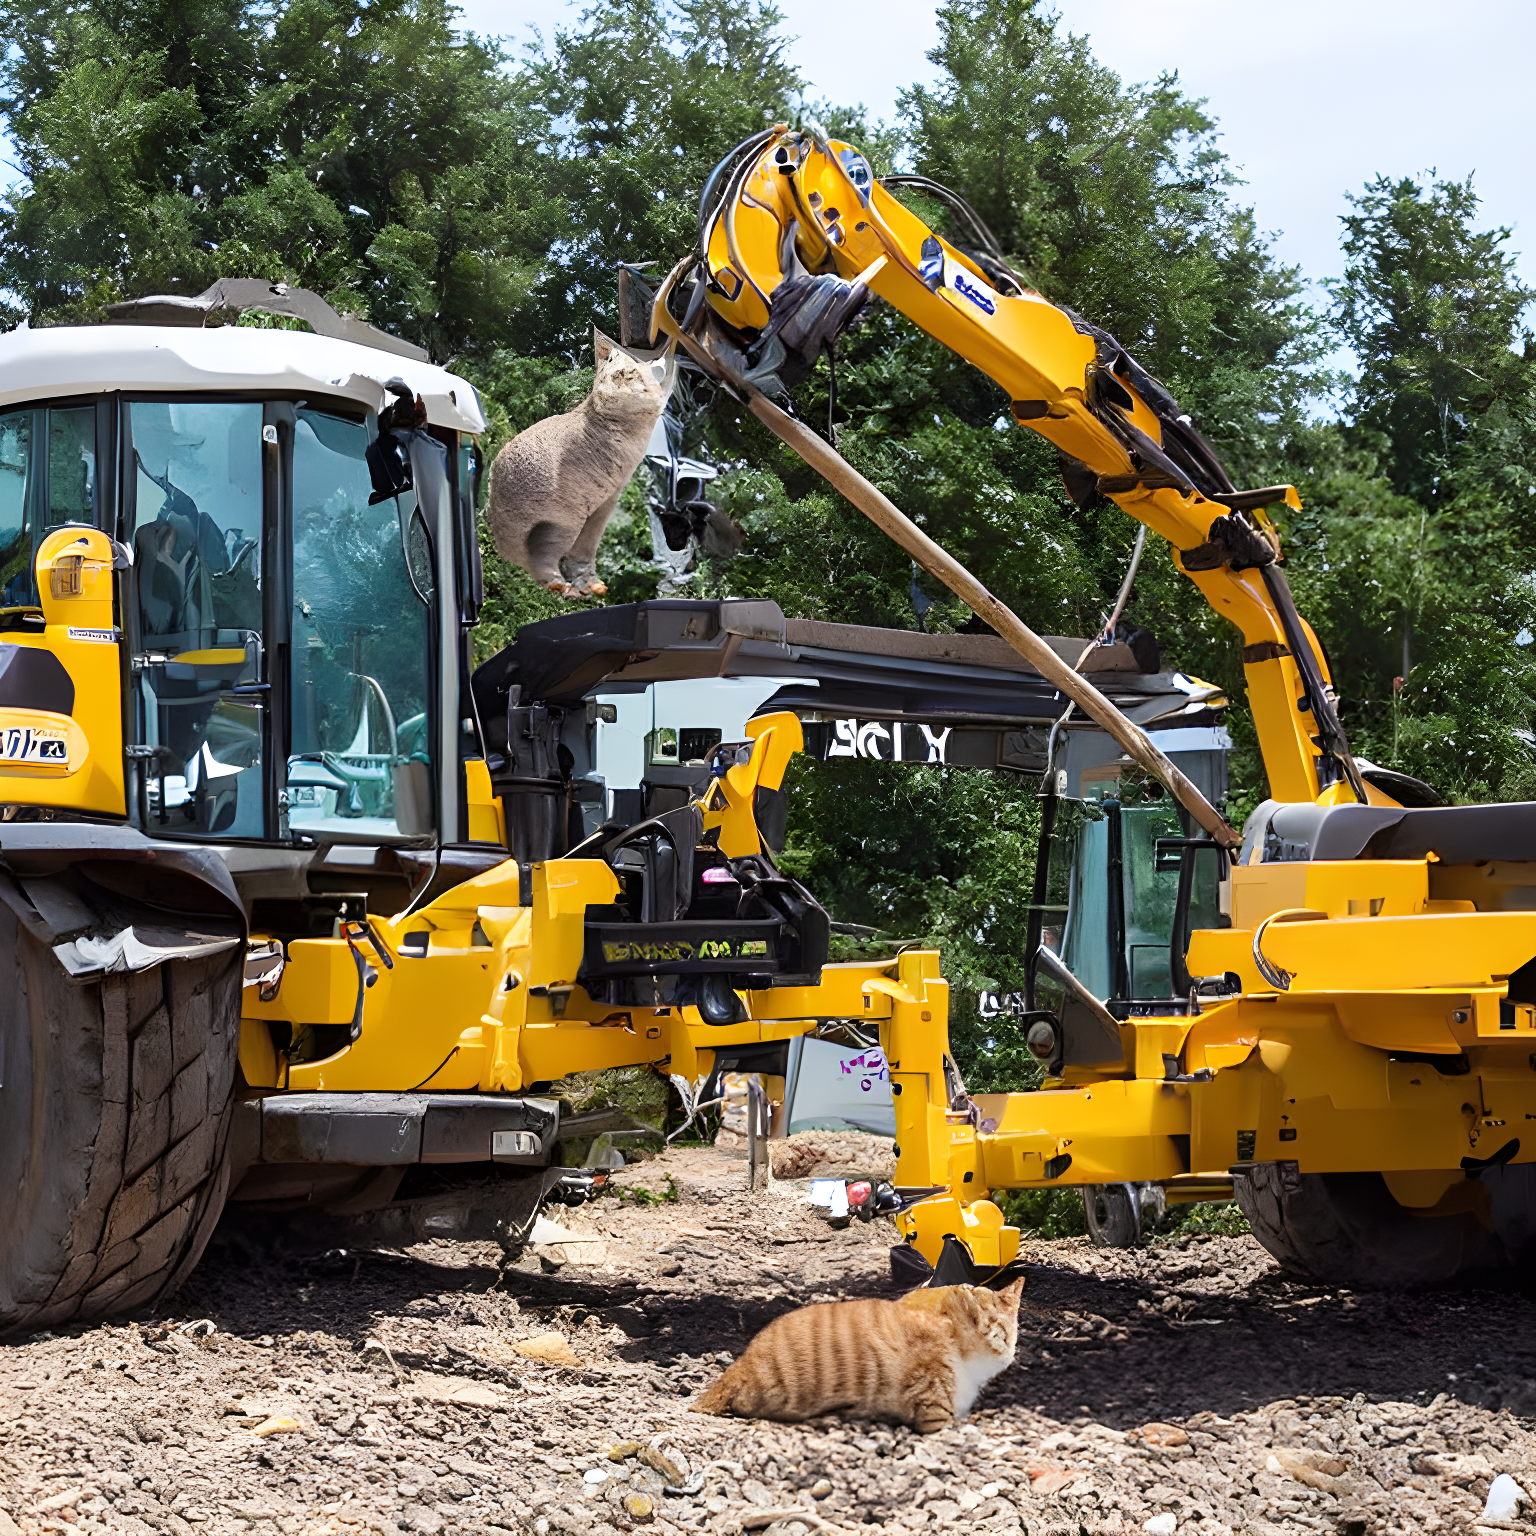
151, 1055
1346, 1229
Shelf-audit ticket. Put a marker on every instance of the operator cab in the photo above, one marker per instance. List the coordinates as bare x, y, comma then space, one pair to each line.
293, 612
355, 651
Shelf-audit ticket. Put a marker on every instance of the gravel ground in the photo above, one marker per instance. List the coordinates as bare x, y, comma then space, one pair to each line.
1184, 1388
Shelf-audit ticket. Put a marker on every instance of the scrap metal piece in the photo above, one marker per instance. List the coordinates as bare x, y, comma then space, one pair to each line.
135, 948
223, 303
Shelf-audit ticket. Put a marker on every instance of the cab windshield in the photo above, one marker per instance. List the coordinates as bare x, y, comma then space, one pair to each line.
361, 655
1111, 900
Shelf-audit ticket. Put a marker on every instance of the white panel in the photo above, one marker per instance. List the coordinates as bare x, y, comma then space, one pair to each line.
708, 703
838, 1088
619, 756
1193, 738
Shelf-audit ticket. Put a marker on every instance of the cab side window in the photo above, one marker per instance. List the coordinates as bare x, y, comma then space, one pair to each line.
47, 477
197, 541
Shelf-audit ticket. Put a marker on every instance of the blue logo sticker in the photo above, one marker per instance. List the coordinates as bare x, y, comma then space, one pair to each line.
931, 266
858, 171
975, 295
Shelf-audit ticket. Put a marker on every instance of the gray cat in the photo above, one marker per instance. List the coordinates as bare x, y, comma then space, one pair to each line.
555, 485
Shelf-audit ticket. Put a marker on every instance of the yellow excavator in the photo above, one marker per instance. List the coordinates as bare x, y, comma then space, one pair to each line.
299, 912
1351, 1035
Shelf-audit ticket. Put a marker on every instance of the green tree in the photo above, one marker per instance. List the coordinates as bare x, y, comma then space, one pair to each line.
367, 151
1432, 310
941, 855
1413, 551
104, 137
645, 97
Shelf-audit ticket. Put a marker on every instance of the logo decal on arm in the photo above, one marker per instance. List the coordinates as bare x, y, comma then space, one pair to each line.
977, 295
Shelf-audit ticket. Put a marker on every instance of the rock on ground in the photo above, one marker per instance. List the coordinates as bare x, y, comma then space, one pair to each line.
832, 1155
1184, 1387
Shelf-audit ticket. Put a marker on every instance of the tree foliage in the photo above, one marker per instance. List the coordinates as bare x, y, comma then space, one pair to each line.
366, 151
944, 856
1431, 308
1415, 549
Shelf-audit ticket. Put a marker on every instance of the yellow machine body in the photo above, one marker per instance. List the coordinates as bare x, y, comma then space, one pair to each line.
63, 746
1377, 969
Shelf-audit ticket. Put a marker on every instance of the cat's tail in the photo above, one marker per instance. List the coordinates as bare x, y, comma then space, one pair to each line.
718, 1397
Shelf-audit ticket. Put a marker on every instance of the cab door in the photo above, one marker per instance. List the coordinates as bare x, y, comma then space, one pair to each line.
359, 764
197, 509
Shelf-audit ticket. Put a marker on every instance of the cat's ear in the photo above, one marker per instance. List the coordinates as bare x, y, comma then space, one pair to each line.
602, 346
1012, 1294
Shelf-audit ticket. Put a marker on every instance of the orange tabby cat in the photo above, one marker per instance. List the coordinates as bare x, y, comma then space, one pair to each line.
921, 1360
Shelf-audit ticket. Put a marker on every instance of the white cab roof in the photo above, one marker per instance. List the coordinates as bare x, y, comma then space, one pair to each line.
87, 359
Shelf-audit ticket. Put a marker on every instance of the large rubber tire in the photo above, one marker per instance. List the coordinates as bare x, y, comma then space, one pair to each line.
1512, 1209
1346, 1229
1112, 1214
115, 1106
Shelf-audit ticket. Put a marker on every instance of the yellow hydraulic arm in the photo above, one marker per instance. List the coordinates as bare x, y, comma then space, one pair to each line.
1351, 973
796, 231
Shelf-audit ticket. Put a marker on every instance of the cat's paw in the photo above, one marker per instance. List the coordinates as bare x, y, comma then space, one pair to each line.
930, 1422
583, 578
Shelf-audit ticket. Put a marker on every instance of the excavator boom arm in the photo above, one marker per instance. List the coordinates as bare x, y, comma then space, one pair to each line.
796, 233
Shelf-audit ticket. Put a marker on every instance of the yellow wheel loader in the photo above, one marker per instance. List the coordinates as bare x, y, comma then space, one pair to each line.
1343, 1030
296, 912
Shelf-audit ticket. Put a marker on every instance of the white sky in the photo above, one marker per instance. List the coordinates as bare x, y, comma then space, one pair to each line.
1313, 97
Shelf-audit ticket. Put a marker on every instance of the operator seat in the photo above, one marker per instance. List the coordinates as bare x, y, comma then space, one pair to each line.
162, 578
